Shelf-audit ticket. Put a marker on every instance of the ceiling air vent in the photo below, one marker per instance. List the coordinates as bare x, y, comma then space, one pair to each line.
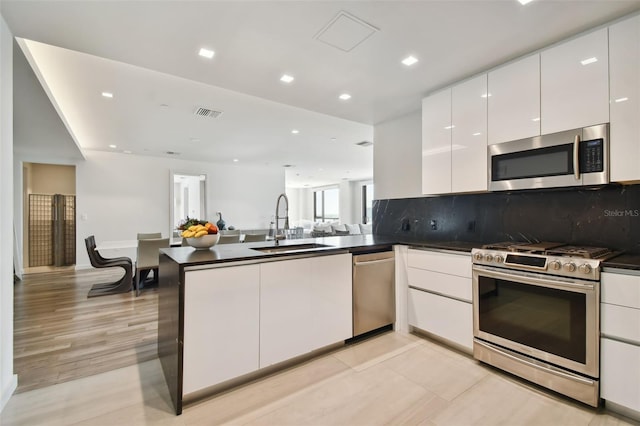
364, 143
207, 112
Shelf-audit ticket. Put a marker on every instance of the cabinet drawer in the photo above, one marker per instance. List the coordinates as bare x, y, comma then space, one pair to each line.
450, 285
444, 317
447, 263
620, 289
620, 321
620, 365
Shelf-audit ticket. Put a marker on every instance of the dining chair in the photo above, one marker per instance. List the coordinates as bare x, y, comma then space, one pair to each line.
123, 285
148, 259
148, 236
229, 239
249, 238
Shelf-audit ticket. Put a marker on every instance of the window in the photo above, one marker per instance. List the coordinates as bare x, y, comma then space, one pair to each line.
367, 203
326, 205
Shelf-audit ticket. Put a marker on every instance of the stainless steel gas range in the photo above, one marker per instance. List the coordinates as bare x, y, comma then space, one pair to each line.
536, 314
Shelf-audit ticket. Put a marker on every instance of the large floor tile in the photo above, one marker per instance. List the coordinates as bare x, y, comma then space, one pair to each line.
364, 354
446, 375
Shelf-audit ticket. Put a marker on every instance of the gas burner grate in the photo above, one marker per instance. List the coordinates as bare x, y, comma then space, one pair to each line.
580, 251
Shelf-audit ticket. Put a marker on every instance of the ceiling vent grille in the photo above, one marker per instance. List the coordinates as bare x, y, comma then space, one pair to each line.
364, 143
207, 112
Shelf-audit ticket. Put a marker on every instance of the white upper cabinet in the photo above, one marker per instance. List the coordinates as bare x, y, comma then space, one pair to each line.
514, 101
469, 135
436, 143
574, 83
624, 69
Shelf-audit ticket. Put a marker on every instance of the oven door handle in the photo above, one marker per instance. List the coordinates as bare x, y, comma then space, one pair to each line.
576, 157
527, 278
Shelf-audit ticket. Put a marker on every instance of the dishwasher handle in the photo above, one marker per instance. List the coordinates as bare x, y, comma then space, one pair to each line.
373, 262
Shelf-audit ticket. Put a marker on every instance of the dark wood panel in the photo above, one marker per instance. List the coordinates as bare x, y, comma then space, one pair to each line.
170, 327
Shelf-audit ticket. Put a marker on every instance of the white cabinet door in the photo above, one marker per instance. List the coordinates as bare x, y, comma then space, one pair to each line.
221, 325
574, 83
331, 300
620, 365
624, 69
436, 143
447, 263
285, 320
514, 101
469, 135
441, 316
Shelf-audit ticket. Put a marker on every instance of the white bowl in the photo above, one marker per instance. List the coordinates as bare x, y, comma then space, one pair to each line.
205, 242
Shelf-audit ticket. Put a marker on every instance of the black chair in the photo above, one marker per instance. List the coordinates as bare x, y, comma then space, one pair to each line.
123, 285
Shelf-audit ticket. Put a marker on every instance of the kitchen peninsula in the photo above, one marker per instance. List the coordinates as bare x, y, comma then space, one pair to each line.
236, 311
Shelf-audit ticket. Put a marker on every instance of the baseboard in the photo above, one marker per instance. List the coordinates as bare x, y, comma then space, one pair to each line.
8, 391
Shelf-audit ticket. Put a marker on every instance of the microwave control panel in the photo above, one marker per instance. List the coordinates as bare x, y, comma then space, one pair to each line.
591, 156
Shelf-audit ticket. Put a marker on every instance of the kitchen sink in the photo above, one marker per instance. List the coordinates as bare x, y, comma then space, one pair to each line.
290, 248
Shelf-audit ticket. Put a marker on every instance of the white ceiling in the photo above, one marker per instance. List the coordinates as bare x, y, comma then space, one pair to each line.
145, 52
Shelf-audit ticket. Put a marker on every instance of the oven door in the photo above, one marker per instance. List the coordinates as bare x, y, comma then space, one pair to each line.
552, 319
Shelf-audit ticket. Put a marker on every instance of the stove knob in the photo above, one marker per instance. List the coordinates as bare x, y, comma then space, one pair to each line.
478, 256
585, 268
498, 258
488, 257
570, 267
555, 265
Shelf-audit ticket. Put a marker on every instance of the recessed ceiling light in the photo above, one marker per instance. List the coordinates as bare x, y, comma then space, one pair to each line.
621, 99
164, 106
206, 53
589, 60
535, 119
523, 2
333, 139
112, 146
486, 95
409, 60
107, 94
126, 151
295, 131
286, 78
345, 96
235, 160
477, 134
449, 127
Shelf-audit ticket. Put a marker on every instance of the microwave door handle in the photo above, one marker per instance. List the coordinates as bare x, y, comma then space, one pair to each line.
576, 157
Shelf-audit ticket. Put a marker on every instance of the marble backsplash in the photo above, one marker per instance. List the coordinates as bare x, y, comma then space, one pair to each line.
607, 216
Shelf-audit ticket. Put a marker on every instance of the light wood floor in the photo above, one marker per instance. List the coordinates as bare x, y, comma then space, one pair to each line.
61, 335
392, 379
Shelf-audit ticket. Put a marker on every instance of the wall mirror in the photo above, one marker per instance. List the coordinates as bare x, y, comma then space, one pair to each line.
188, 198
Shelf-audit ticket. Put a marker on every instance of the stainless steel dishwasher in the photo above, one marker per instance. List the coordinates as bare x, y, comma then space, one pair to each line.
373, 291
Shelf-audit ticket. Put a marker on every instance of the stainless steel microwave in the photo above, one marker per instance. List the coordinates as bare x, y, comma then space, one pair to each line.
572, 158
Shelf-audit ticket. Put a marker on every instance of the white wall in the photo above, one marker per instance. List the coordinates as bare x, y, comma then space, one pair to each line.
397, 157
8, 380
119, 195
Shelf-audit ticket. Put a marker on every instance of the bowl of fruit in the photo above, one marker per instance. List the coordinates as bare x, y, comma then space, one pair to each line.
201, 235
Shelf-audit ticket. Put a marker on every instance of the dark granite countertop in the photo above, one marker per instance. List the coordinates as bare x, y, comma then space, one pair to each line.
462, 246
244, 251
624, 261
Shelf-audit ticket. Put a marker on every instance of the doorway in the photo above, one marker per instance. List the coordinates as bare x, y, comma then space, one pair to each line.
49, 217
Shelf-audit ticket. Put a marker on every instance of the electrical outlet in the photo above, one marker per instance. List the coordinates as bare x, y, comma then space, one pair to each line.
471, 226
406, 226
434, 224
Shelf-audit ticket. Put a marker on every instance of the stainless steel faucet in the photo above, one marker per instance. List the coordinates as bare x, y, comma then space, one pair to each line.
277, 236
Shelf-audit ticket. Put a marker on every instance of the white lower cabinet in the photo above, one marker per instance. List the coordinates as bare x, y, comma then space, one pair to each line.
620, 375
442, 316
620, 341
439, 299
221, 328
305, 304
239, 319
